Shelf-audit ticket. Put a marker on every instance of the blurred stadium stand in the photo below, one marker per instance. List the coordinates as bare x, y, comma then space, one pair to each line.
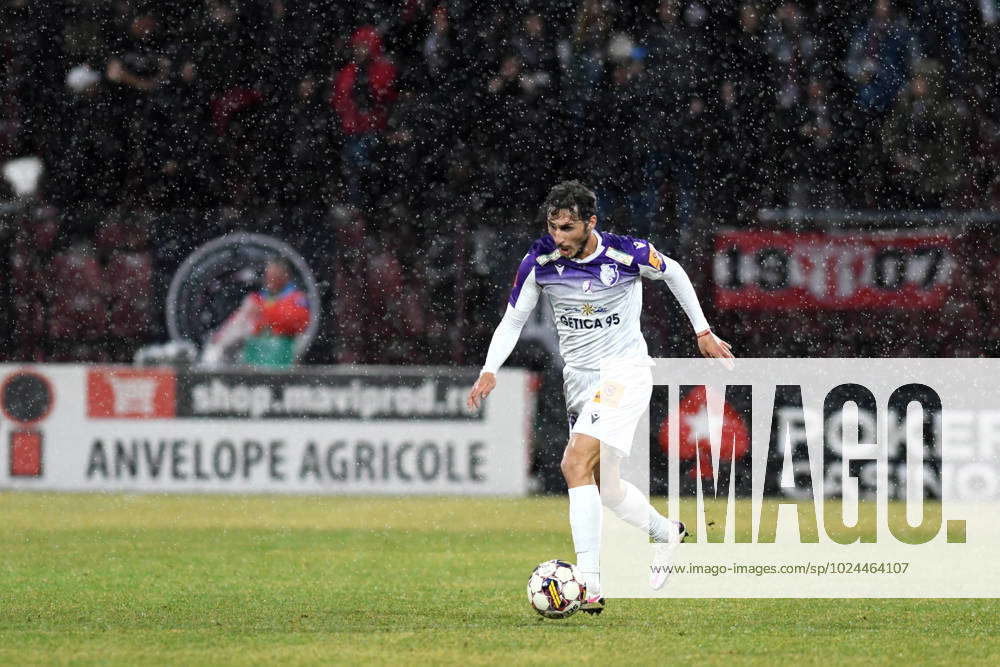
162, 125
412, 190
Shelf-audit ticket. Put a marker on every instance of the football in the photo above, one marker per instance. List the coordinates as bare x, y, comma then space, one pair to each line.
556, 589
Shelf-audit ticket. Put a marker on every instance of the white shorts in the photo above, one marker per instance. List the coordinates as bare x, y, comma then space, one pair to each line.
609, 411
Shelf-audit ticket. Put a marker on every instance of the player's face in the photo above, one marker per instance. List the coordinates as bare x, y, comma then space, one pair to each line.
569, 232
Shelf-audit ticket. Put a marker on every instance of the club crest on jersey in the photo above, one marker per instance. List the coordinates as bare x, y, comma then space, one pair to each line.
609, 274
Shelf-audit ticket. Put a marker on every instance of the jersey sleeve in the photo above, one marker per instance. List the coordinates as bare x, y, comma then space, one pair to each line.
654, 265
524, 292
651, 262
523, 297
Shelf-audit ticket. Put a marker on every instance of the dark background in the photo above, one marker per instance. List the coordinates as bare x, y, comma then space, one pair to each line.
685, 116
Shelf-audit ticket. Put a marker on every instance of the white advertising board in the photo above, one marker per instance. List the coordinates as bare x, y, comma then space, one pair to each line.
312, 430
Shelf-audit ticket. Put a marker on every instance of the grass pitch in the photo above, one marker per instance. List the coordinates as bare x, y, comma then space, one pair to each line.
120, 579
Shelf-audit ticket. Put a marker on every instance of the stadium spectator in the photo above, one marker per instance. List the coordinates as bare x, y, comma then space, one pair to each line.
750, 92
813, 155
588, 40
508, 83
179, 153
749, 64
308, 173
727, 176
792, 50
537, 55
924, 138
511, 127
363, 92
225, 55
675, 71
93, 147
939, 29
136, 71
617, 153
350, 304
139, 66
880, 57
266, 323
438, 49
416, 153
34, 60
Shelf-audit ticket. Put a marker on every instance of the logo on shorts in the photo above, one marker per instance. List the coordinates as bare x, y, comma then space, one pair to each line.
594, 416
612, 393
609, 274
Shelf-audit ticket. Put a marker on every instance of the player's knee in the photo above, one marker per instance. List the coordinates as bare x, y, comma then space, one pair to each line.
578, 465
572, 469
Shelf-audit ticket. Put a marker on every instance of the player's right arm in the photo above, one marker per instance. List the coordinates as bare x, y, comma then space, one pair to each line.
656, 266
523, 297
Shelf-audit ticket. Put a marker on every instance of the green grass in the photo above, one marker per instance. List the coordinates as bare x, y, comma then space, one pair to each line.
119, 579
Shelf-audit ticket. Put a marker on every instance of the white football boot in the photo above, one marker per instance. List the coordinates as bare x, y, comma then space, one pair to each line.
663, 556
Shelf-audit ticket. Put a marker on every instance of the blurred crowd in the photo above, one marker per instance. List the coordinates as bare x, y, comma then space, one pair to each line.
418, 136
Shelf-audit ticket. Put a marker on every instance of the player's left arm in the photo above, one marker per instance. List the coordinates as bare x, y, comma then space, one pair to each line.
656, 266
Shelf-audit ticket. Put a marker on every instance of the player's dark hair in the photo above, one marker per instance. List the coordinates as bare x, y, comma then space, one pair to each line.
572, 196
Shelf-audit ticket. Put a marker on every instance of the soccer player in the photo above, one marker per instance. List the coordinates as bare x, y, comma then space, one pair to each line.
592, 280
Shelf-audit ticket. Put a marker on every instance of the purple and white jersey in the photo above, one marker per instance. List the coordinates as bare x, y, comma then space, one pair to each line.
597, 300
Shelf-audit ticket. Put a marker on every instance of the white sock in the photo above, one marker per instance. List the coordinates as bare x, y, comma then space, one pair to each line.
634, 509
585, 522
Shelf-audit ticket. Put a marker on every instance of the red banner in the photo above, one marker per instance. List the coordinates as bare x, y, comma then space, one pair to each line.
123, 393
774, 270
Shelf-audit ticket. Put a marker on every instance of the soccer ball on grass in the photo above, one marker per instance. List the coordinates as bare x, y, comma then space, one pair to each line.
556, 589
